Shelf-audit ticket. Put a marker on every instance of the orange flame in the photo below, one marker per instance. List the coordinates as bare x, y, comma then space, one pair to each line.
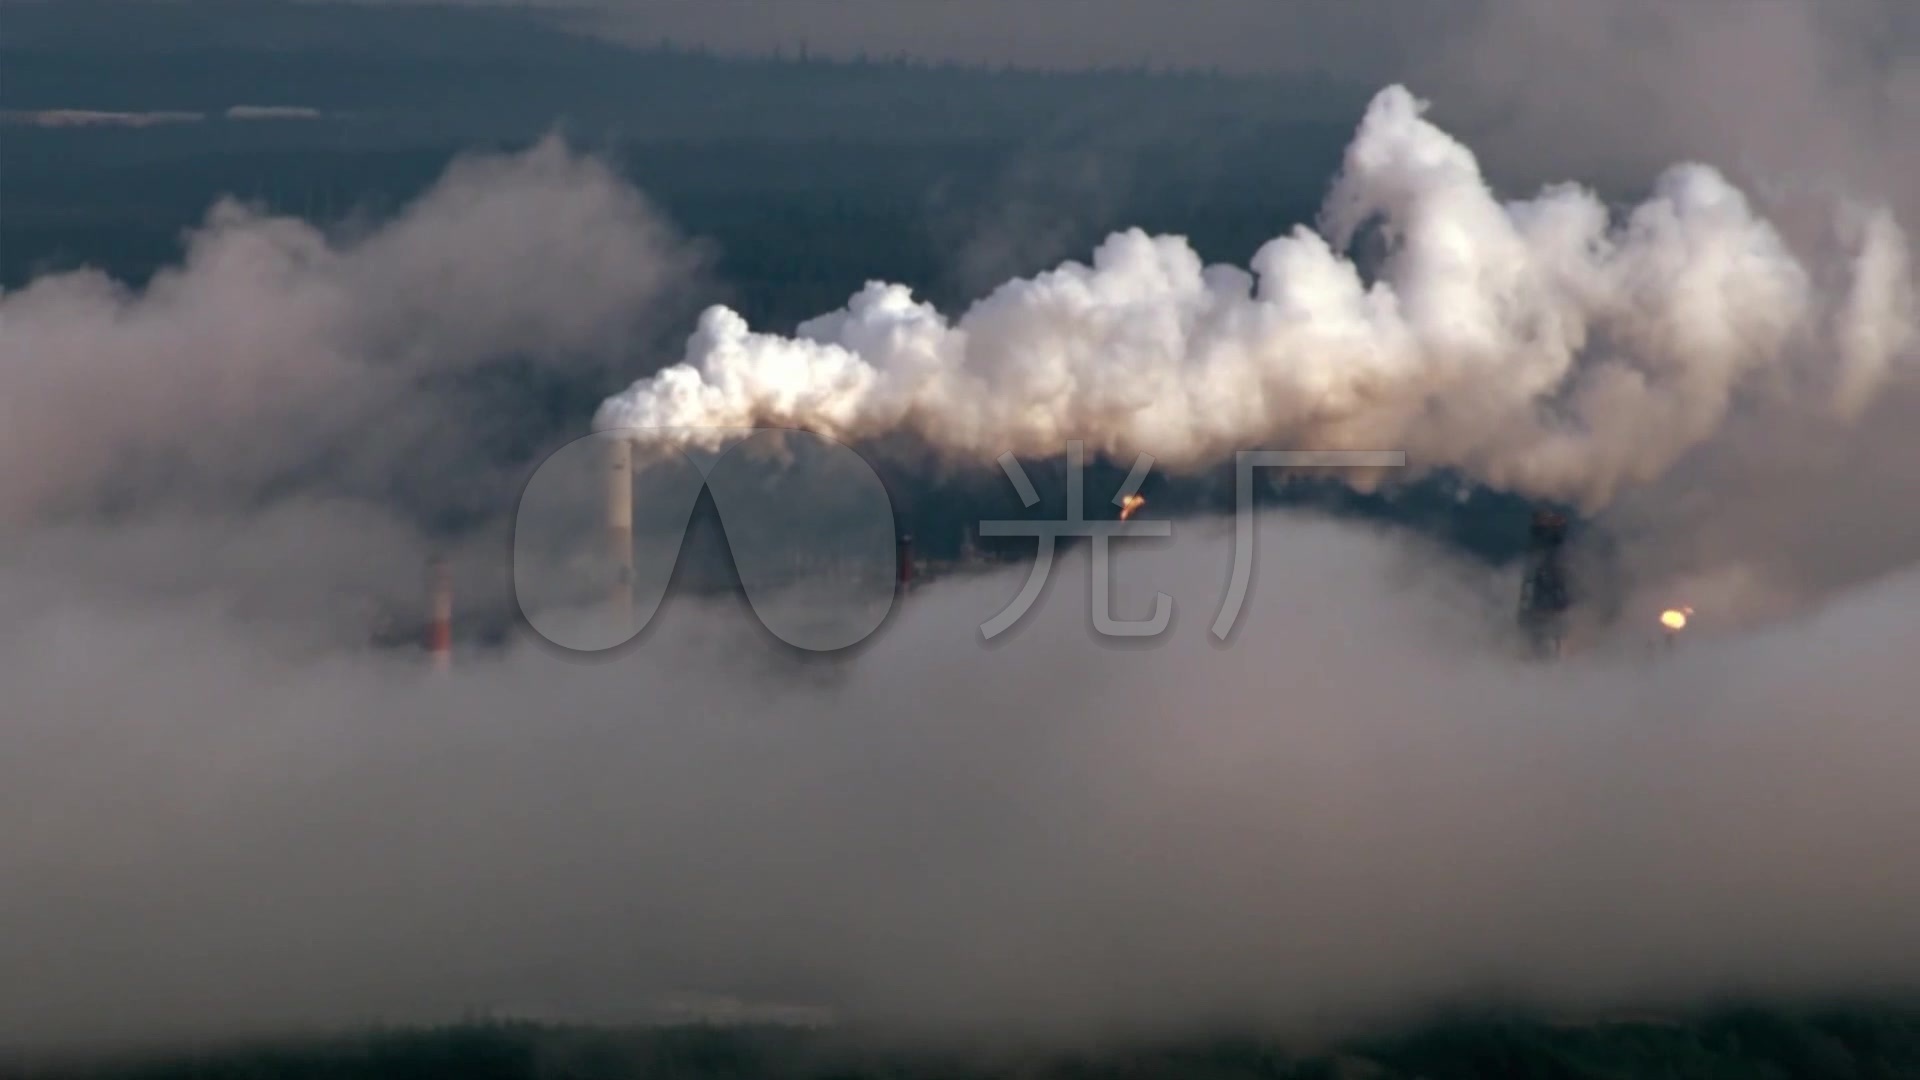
1675, 619
1129, 504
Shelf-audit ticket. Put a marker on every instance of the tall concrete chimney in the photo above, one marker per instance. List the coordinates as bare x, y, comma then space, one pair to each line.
439, 615
620, 531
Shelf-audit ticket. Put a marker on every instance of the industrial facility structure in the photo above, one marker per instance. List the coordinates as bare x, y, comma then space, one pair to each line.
1546, 594
1546, 602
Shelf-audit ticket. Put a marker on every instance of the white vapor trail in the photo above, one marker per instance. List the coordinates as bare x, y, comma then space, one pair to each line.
1545, 346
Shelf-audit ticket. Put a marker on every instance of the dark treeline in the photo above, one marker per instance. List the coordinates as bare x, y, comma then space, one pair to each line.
797, 227
1744, 1044
810, 176
470, 71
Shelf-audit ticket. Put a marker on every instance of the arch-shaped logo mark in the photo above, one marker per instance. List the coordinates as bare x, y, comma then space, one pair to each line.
602, 521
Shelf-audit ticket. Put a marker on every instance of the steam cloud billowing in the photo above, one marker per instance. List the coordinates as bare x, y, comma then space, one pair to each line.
275, 425
1541, 347
275, 353
212, 823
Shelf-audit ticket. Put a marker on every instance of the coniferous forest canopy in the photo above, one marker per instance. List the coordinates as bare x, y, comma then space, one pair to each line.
1830, 1043
810, 176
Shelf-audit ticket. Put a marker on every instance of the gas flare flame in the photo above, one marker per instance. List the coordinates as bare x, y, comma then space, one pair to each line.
1129, 504
1675, 619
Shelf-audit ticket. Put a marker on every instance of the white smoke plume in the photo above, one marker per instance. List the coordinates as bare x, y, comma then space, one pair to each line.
1549, 346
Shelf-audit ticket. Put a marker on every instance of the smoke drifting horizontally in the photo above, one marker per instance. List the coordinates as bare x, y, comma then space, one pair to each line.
1547, 347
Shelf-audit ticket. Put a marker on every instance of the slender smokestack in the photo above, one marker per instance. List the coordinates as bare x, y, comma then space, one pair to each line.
439, 615
620, 530
1545, 595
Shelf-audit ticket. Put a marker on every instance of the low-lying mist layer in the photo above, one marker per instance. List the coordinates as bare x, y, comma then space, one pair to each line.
1361, 806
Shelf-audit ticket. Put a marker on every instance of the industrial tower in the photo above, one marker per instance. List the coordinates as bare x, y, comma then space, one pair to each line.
1545, 595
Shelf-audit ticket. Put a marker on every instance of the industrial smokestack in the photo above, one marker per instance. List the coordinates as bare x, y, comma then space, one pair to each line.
620, 531
1545, 595
903, 562
439, 615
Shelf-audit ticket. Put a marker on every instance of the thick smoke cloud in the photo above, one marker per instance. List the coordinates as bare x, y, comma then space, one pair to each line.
1805, 96
1545, 347
286, 422
276, 354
